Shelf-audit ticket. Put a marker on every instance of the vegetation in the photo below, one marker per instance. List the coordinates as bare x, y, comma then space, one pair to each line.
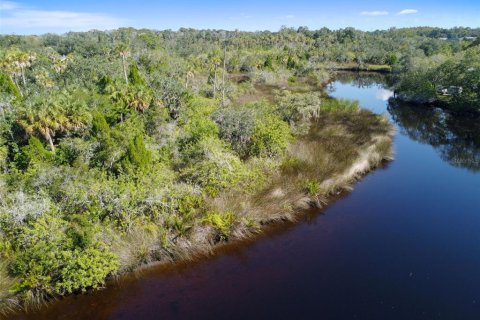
130, 146
451, 80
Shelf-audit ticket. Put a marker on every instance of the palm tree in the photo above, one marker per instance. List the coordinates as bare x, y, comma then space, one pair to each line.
223, 72
23, 60
214, 63
11, 67
139, 98
41, 122
57, 113
123, 51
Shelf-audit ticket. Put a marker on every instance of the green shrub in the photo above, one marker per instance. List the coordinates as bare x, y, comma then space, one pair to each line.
8, 86
222, 223
236, 127
100, 127
331, 105
84, 269
138, 156
213, 168
48, 260
270, 137
296, 107
33, 153
134, 76
312, 187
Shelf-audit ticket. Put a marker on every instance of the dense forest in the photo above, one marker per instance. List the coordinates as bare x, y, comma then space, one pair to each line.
125, 147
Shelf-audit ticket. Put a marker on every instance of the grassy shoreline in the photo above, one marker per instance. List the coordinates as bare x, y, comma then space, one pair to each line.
314, 170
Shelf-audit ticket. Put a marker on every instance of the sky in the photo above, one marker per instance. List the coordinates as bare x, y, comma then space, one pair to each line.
43, 16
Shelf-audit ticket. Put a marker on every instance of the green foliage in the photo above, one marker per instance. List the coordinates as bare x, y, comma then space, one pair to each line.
138, 156
134, 76
291, 64
268, 63
297, 107
49, 261
84, 269
312, 187
222, 222
270, 137
115, 143
213, 167
8, 86
423, 80
33, 153
100, 127
236, 127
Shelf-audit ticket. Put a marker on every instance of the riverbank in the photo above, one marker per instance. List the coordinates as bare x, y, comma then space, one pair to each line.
332, 144
339, 148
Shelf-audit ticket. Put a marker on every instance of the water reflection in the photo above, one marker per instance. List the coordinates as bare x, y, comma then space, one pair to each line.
361, 79
384, 94
455, 138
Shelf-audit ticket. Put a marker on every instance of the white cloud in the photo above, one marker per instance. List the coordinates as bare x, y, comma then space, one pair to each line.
408, 11
289, 16
19, 17
8, 5
374, 13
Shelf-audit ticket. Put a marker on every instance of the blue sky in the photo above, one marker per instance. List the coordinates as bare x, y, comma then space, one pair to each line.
36, 17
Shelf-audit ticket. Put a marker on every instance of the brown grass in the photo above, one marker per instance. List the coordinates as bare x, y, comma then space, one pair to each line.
339, 149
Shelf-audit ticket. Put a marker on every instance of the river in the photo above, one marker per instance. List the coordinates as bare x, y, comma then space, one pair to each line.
405, 244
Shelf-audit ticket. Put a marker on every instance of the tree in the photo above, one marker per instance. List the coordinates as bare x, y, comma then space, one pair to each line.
223, 72
49, 115
134, 76
15, 62
137, 154
123, 51
214, 62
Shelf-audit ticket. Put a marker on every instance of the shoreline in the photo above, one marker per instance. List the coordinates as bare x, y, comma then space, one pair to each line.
187, 252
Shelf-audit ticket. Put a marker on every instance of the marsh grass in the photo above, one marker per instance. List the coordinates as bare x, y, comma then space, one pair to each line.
339, 148
8, 302
342, 144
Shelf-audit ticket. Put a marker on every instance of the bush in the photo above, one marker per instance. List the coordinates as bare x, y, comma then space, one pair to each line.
312, 187
298, 107
48, 261
236, 127
33, 153
8, 86
270, 137
84, 269
213, 168
222, 223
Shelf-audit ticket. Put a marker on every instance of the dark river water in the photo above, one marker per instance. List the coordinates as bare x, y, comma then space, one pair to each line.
405, 244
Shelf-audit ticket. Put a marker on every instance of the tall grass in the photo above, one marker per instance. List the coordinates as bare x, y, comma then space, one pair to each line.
338, 149
7, 302
330, 105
